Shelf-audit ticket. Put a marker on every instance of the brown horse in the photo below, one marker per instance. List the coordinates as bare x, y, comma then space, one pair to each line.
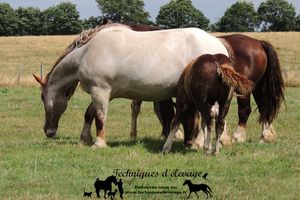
206, 80
259, 62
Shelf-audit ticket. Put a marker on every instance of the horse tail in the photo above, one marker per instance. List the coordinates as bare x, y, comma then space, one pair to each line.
271, 86
235, 79
209, 189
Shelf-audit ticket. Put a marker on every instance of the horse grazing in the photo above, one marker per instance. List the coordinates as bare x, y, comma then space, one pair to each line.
206, 80
104, 185
258, 61
198, 187
117, 62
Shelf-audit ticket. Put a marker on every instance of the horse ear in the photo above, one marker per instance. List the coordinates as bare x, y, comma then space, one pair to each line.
39, 80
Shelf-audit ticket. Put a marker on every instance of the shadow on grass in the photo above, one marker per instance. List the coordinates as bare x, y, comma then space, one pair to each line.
152, 145
60, 140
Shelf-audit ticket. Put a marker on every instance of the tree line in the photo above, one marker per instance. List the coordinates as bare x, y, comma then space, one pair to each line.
64, 19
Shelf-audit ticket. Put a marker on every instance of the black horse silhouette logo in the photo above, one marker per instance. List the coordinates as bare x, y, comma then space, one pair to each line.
198, 187
104, 185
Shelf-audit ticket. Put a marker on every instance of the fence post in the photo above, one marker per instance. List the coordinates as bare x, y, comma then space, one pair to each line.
41, 70
20, 69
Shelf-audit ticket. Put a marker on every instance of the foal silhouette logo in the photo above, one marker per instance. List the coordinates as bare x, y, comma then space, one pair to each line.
198, 187
106, 186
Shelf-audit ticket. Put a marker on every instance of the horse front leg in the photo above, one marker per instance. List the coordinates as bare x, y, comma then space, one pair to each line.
174, 128
100, 101
86, 135
189, 194
135, 111
181, 106
244, 110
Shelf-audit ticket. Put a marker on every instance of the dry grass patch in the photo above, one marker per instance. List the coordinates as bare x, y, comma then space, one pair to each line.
23, 55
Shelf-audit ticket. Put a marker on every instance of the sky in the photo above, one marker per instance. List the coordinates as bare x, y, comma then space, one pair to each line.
212, 9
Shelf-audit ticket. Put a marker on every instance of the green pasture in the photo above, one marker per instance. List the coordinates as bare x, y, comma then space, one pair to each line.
34, 167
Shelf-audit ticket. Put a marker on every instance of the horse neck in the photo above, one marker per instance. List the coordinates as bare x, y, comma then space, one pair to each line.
63, 76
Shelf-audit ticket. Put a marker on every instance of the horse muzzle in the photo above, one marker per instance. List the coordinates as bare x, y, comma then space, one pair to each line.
50, 132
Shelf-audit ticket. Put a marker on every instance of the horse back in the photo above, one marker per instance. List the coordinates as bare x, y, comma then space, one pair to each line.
248, 55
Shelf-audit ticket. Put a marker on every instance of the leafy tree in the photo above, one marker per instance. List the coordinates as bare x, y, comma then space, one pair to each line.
297, 23
125, 11
29, 21
92, 22
276, 15
62, 19
240, 17
8, 20
181, 13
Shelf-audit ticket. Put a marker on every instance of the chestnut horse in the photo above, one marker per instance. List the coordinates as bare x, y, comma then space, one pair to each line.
113, 61
206, 80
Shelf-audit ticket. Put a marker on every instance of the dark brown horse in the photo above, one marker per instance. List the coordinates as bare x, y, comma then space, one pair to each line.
259, 62
206, 80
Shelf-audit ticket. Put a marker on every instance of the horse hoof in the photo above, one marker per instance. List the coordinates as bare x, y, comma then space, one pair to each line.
268, 135
207, 151
240, 135
100, 143
195, 146
238, 138
165, 150
178, 135
225, 141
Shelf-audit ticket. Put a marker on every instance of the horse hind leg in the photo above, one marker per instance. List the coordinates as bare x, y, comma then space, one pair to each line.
86, 135
135, 111
268, 133
225, 139
220, 121
244, 110
206, 126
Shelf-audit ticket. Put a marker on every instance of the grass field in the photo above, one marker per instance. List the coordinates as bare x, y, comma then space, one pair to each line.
22, 56
34, 167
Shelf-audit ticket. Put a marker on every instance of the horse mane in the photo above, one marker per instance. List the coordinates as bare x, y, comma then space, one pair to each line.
84, 37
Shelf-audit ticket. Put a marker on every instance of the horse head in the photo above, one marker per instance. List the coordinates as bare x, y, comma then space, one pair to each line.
112, 179
187, 182
55, 103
